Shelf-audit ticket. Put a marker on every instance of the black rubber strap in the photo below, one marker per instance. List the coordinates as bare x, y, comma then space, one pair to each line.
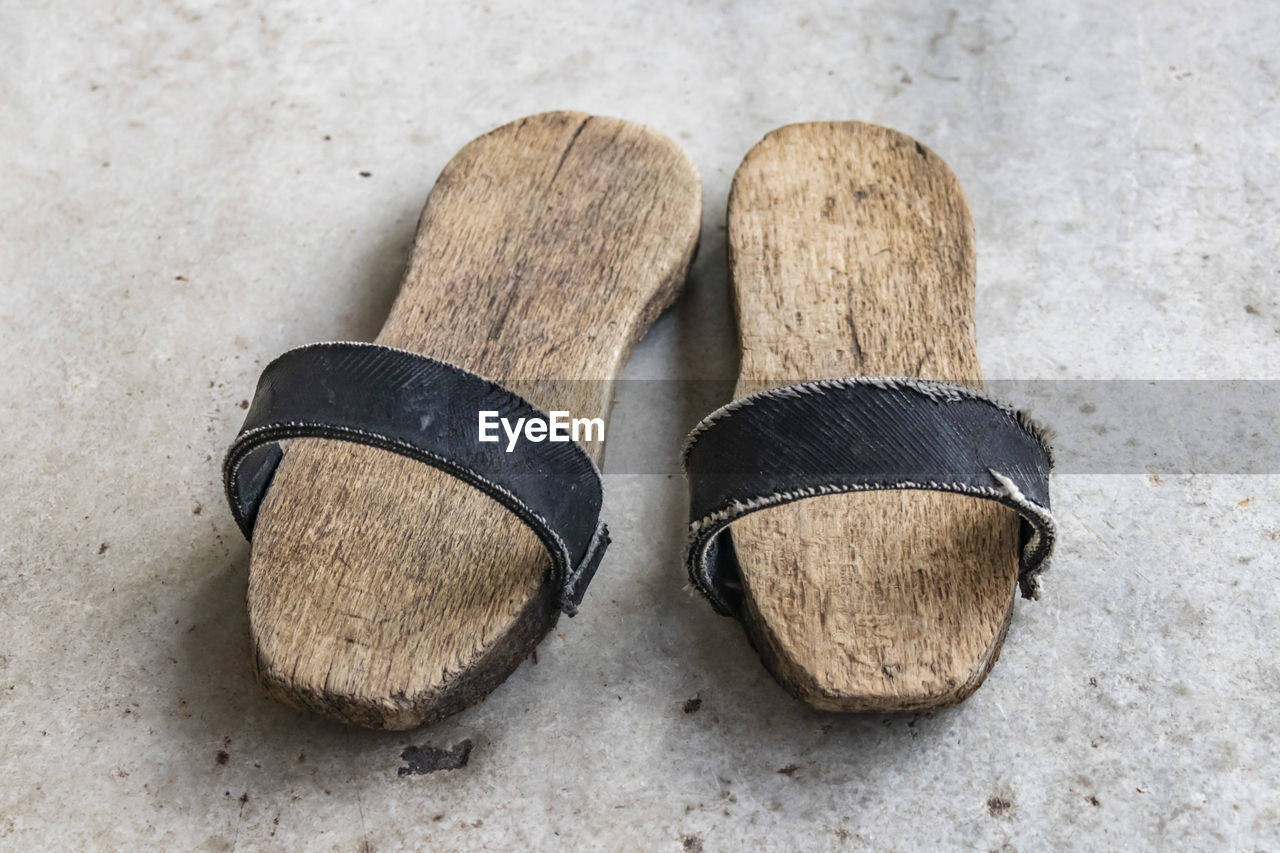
429, 411
846, 435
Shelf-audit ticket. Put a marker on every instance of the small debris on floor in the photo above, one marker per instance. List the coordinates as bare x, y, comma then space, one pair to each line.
429, 759
999, 806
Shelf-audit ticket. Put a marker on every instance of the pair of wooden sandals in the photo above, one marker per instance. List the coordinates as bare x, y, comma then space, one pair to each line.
869, 532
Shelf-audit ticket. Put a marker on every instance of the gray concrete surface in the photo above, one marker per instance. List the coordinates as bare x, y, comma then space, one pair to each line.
181, 198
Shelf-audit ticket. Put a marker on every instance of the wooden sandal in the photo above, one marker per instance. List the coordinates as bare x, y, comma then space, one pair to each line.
390, 593
851, 253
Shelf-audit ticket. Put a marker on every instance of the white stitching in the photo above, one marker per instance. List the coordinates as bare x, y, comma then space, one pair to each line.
934, 389
564, 563
566, 572
722, 518
450, 365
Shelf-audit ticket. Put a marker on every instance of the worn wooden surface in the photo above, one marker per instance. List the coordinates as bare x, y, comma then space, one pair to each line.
852, 253
383, 592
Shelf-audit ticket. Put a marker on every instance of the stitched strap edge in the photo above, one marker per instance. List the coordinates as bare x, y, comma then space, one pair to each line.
571, 580
1039, 527
704, 531
934, 389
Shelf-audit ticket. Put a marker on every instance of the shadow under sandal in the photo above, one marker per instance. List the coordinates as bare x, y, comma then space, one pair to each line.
852, 259
400, 568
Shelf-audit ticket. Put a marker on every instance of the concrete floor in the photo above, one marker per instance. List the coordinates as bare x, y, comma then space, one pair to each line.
182, 198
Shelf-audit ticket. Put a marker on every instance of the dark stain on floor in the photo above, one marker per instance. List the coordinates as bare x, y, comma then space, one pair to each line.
692, 843
789, 770
691, 706
999, 806
222, 757
429, 759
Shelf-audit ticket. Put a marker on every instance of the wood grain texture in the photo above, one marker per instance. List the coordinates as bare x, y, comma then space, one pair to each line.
851, 250
385, 593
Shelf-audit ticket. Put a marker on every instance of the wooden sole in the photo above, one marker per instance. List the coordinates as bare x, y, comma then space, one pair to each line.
383, 592
851, 251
